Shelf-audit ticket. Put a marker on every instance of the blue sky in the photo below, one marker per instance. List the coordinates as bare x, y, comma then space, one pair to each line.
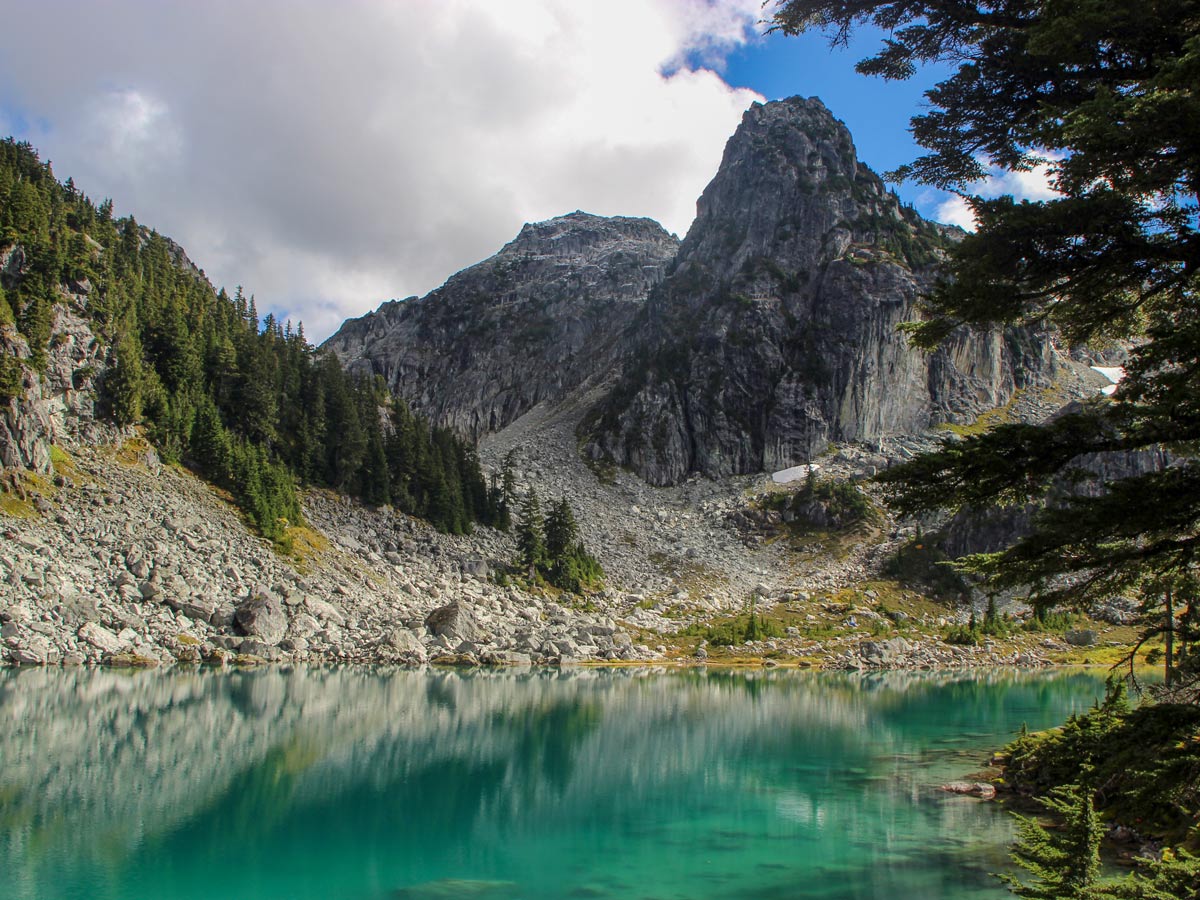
876, 111
329, 158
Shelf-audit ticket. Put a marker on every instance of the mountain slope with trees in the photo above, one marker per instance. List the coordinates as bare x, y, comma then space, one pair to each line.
248, 402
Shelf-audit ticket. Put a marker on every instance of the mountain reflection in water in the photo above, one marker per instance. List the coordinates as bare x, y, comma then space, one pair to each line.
370, 783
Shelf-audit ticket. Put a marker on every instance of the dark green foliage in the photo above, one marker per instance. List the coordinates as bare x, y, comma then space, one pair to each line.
249, 403
1142, 767
993, 625
1174, 876
1064, 862
824, 503
1145, 762
748, 626
124, 382
561, 530
1103, 94
920, 562
531, 535
549, 547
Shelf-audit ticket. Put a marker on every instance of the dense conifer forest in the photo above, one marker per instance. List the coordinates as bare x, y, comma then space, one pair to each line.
248, 403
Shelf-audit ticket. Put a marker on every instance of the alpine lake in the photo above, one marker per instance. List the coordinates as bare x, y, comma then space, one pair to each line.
544, 784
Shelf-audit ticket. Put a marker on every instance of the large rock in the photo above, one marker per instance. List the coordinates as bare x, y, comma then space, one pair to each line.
262, 617
33, 651
101, 638
883, 653
406, 644
455, 621
324, 611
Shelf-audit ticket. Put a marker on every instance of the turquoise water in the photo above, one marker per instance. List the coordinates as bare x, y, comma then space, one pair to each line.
364, 784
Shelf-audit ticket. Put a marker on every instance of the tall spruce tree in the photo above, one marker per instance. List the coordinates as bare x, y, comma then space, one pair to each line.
531, 534
1103, 96
561, 530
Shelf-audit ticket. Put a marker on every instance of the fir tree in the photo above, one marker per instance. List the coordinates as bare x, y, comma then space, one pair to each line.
531, 535
561, 531
508, 492
123, 383
1064, 862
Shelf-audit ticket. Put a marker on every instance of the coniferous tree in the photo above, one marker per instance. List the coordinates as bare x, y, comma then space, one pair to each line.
508, 492
123, 383
1101, 96
1064, 862
531, 534
561, 531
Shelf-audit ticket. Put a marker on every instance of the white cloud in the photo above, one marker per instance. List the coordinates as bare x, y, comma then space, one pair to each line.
331, 156
953, 209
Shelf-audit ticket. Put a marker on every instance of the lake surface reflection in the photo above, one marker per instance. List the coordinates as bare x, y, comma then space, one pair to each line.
368, 784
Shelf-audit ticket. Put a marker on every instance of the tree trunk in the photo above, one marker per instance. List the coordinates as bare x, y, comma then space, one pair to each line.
1170, 662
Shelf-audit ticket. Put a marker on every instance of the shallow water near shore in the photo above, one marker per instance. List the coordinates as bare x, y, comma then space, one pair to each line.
367, 784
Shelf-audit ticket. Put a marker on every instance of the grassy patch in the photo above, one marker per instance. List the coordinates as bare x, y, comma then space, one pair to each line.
17, 494
986, 421
62, 461
14, 507
133, 451
302, 545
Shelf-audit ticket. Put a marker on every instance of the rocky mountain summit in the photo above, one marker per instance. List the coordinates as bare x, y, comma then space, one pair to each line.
547, 314
768, 334
777, 334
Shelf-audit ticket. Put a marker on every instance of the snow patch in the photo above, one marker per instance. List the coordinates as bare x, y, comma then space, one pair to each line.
1113, 374
795, 473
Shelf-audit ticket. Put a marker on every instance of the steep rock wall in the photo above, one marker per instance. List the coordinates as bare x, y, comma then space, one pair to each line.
777, 331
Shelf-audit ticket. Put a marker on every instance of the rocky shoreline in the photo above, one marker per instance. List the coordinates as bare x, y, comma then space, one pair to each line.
117, 559
110, 557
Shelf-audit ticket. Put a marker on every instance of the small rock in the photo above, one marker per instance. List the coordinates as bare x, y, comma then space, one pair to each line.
980, 789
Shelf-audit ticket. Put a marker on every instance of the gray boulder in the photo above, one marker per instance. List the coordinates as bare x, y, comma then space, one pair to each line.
101, 638
262, 617
1082, 637
407, 644
455, 621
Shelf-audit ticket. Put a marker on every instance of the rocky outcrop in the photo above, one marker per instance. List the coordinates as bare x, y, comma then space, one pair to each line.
59, 402
994, 528
548, 313
777, 331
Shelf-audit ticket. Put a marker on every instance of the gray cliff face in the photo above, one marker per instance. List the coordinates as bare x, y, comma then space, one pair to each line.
58, 403
548, 314
776, 332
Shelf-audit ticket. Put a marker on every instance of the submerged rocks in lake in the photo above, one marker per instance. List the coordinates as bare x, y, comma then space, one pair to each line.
980, 789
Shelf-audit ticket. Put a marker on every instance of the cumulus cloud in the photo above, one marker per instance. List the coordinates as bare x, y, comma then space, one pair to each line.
1036, 184
330, 156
